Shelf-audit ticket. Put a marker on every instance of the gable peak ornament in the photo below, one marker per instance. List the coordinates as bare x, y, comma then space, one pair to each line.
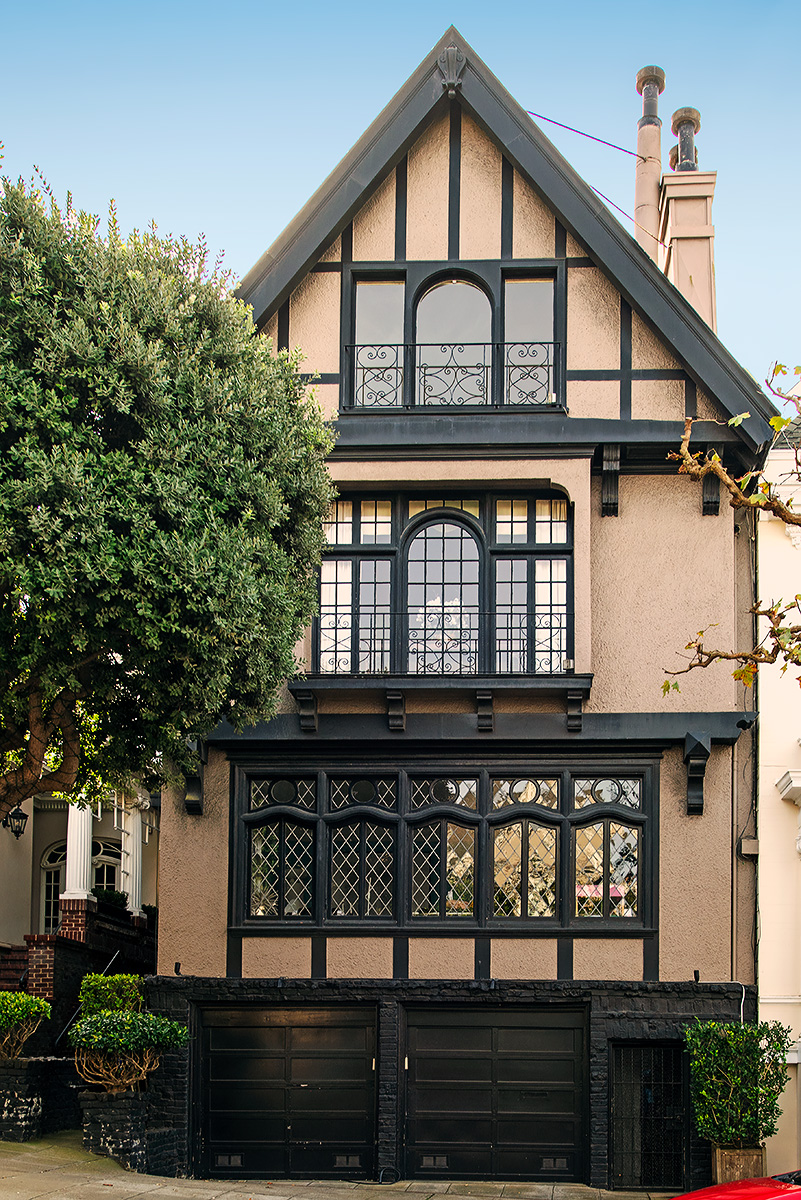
451, 63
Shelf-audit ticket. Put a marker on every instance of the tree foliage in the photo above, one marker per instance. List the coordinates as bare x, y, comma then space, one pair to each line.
781, 630
162, 489
737, 1074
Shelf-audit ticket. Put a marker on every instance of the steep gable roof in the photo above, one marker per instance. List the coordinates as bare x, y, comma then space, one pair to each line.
453, 71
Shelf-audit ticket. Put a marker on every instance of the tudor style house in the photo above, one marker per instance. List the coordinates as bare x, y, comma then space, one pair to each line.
448, 914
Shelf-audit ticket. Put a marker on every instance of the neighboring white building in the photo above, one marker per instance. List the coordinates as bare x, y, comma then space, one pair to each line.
779, 810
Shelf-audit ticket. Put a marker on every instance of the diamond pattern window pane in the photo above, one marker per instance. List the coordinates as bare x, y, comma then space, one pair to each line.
345, 870
381, 793
426, 870
379, 870
606, 791
589, 861
300, 792
544, 792
463, 792
264, 865
542, 871
508, 870
459, 870
623, 863
298, 861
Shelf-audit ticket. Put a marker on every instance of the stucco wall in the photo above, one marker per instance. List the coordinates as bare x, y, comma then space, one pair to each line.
533, 223
427, 194
480, 194
276, 958
660, 572
16, 865
374, 225
441, 958
359, 958
695, 872
647, 350
593, 398
607, 958
314, 321
523, 958
193, 917
593, 321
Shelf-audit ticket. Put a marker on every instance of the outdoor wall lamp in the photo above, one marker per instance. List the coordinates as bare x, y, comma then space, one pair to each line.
16, 821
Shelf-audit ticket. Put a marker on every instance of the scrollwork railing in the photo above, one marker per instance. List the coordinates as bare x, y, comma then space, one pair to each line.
455, 374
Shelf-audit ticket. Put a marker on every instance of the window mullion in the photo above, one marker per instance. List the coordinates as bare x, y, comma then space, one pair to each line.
607, 883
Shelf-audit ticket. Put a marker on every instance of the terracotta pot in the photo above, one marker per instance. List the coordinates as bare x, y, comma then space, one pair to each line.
729, 1165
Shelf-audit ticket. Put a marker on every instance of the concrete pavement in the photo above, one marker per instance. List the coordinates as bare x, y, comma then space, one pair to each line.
58, 1168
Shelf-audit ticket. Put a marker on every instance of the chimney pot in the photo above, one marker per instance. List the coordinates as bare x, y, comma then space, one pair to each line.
685, 124
650, 85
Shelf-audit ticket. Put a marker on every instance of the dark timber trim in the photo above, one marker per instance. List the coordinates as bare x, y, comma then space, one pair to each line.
401, 175
482, 957
319, 964
625, 360
610, 478
710, 505
564, 958
560, 241
283, 326
507, 207
400, 956
454, 181
650, 958
419, 103
690, 399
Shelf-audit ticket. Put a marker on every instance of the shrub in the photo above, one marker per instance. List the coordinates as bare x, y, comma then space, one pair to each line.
119, 1049
20, 1016
110, 993
737, 1073
111, 896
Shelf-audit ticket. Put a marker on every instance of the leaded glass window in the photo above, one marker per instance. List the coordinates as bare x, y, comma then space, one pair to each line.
444, 791
281, 866
379, 792
525, 872
606, 791
301, 792
362, 870
443, 870
606, 869
544, 792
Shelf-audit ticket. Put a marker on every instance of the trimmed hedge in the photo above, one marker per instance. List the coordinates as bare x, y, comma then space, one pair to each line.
127, 1033
110, 993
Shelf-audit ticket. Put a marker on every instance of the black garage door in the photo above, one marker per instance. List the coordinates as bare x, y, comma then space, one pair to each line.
495, 1094
288, 1092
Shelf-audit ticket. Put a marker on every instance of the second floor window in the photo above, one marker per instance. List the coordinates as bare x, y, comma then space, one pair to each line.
455, 586
455, 345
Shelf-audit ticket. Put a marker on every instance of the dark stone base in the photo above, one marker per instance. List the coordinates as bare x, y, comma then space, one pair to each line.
119, 1125
38, 1096
638, 1013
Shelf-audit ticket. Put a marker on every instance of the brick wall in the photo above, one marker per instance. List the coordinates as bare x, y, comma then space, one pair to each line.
38, 1096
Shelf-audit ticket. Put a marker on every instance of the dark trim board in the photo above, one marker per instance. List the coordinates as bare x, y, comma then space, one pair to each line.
420, 102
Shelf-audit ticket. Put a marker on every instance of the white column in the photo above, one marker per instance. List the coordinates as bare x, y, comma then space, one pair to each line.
132, 857
79, 854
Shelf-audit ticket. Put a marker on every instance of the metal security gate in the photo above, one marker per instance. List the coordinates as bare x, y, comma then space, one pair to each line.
650, 1106
288, 1092
495, 1095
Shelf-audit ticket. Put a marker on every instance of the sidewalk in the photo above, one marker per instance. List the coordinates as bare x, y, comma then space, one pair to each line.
58, 1168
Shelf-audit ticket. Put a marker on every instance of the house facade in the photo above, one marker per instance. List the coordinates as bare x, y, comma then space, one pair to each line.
448, 913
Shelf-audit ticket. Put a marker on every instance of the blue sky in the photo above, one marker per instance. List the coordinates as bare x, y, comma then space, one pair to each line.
224, 118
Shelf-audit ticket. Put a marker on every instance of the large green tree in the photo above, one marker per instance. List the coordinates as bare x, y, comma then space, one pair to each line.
162, 489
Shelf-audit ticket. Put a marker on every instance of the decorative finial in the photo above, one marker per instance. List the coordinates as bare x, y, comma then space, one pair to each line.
451, 63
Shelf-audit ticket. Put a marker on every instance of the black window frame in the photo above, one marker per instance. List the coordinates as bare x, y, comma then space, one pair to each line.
490, 552
418, 278
484, 819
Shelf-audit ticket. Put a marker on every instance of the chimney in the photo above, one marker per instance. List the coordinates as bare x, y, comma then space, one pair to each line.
650, 85
685, 220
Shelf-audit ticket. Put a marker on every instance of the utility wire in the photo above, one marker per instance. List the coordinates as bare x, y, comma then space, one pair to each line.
603, 142
581, 133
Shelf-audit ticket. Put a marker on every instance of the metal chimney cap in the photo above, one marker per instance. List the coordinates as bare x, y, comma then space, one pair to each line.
684, 115
651, 75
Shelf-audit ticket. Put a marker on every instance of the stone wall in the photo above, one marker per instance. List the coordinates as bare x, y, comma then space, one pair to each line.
630, 1012
134, 1129
38, 1096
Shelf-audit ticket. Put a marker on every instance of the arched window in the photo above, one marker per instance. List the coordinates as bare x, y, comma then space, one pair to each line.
106, 873
443, 600
454, 345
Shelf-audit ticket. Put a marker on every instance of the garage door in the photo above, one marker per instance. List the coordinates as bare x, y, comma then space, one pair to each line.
288, 1092
495, 1095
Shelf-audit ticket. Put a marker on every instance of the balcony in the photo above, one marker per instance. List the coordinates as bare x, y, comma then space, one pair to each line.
498, 374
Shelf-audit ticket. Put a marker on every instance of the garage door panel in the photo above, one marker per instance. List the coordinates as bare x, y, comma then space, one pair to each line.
248, 1038
287, 1092
245, 1067
495, 1094
537, 1070
457, 1070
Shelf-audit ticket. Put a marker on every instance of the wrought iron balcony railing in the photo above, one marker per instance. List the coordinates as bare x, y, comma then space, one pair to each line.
515, 374
443, 640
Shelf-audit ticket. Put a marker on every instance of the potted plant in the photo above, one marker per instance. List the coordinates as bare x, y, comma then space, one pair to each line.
20, 1017
737, 1074
116, 1045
